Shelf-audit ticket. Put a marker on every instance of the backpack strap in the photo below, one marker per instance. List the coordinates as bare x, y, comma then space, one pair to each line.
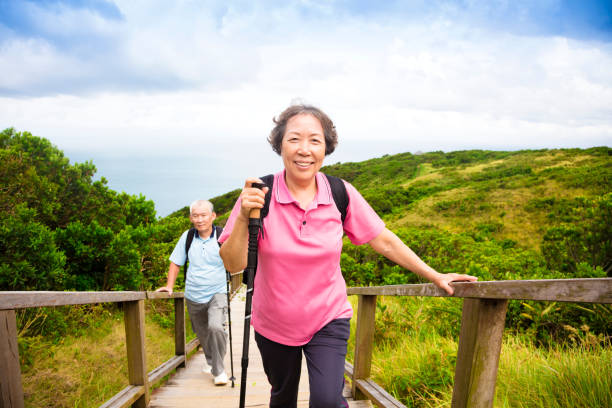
336, 184
340, 195
190, 234
218, 231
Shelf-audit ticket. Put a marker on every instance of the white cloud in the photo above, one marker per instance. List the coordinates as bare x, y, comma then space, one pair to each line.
184, 80
171, 73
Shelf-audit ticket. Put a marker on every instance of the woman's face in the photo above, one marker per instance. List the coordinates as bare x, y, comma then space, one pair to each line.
303, 147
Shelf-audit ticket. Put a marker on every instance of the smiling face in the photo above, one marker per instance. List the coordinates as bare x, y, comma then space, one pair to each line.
303, 148
202, 219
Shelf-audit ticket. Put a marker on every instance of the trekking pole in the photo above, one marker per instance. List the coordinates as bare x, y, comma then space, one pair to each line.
229, 322
254, 227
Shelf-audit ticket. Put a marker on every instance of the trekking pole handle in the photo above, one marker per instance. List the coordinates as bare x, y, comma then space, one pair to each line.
254, 213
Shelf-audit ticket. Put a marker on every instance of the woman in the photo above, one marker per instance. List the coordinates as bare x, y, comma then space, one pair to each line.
299, 302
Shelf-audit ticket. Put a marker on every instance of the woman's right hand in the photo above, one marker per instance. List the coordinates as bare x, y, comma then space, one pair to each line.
251, 197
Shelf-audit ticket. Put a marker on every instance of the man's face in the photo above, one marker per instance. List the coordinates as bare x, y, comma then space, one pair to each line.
202, 218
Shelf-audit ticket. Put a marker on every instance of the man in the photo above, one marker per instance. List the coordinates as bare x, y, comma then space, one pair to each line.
205, 287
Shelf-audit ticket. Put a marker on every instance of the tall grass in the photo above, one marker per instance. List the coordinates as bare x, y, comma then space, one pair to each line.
86, 368
415, 355
554, 377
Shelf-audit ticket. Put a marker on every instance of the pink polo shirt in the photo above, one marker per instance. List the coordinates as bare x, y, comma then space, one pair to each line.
299, 286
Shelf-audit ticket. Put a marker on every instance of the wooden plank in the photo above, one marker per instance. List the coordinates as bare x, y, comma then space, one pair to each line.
179, 328
482, 328
348, 369
24, 299
360, 404
165, 369
588, 290
125, 397
164, 295
134, 316
191, 388
192, 345
378, 394
364, 340
11, 391
236, 282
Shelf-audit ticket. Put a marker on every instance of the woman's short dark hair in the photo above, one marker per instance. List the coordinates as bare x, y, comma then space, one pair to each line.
329, 130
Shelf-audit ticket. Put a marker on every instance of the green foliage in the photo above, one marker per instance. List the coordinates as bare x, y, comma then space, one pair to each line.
29, 258
59, 229
62, 230
122, 270
369, 172
581, 233
86, 248
414, 358
225, 202
495, 215
488, 259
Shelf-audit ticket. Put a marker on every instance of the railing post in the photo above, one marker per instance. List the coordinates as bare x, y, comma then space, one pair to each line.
179, 328
364, 339
482, 327
11, 391
134, 317
236, 282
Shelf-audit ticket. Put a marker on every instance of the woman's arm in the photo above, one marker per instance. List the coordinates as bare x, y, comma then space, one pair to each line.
234, 249
391, 247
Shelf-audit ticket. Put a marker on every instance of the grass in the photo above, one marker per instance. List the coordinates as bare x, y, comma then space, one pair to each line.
88, 369
474, 202
555, 377
414, 359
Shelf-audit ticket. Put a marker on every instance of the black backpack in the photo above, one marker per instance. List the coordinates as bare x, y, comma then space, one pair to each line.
190, 234
338, 193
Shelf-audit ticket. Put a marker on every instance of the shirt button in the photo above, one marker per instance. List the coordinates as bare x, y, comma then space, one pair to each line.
303, 222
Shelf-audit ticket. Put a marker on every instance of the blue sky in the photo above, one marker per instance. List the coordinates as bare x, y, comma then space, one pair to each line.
174, 99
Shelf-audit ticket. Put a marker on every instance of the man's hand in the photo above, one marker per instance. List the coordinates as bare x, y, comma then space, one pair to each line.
165, 289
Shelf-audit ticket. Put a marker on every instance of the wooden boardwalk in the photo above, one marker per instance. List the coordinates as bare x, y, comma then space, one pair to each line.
190, 387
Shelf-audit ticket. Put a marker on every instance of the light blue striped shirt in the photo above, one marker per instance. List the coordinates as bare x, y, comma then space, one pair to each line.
205, 274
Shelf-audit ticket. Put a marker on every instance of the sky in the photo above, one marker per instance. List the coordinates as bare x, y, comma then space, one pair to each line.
175, 99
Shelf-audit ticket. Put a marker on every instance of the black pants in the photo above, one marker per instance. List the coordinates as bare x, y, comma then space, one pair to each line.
325, 354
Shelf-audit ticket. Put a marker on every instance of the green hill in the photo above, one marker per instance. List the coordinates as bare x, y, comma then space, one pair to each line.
543, 214
553, 206
511, 195
496, 215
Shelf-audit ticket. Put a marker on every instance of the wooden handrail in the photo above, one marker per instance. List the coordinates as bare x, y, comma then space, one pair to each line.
588, 290
482, 325
137, 392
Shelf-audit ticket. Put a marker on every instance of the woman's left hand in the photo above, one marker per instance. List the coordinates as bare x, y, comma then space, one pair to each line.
443, 280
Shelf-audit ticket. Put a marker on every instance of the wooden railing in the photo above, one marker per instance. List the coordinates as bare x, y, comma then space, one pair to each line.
137, 392
482, 325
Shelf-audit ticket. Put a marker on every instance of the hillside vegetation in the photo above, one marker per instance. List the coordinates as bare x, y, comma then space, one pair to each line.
533, 214
496, 215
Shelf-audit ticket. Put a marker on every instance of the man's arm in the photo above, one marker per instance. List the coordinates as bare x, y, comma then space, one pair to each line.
173, 272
